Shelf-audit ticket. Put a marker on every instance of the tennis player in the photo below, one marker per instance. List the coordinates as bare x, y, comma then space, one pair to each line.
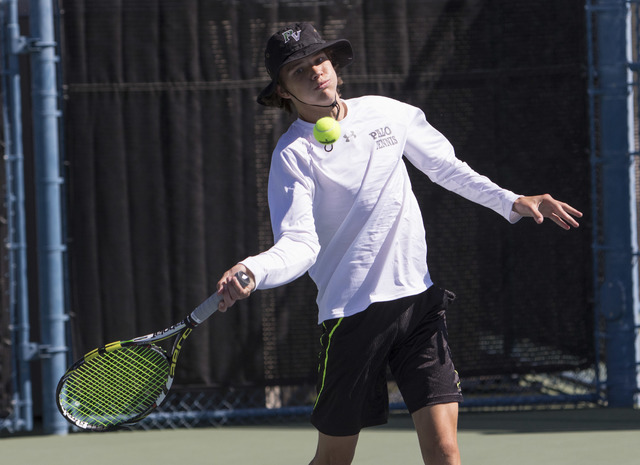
346, 214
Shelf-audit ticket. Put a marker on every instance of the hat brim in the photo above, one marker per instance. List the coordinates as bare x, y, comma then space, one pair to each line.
342, 56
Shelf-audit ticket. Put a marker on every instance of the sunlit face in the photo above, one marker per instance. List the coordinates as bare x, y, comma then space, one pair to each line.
312, 80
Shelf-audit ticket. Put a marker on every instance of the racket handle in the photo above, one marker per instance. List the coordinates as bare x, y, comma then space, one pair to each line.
210, 306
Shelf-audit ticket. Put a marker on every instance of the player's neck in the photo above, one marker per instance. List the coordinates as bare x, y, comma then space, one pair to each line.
312, 113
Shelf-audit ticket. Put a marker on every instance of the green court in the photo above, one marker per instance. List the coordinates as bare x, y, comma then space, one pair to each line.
562, 437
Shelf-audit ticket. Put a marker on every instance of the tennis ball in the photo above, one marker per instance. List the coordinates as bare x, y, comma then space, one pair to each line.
327, 130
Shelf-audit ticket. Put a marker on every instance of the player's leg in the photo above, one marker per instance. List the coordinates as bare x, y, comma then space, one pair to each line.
424, 371
352, 383
335, 450
437, 427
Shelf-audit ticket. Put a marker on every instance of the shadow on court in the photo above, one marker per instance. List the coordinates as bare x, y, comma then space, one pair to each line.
539, 421
551, 421
562, 437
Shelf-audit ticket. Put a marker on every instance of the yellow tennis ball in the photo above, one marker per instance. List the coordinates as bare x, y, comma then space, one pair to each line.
327, 130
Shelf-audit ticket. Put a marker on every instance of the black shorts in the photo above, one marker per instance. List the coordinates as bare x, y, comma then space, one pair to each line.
410, 336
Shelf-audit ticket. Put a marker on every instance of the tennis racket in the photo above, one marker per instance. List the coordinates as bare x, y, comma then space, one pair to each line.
121, 383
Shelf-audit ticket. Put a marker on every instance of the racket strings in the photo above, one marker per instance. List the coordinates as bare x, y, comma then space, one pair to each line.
117, 386
111, 402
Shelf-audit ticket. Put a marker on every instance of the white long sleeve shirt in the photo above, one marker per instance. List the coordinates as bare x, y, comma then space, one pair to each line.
349, 216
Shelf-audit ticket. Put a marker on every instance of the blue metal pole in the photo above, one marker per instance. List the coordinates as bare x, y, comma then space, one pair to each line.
615, 239
49, 208
16, 241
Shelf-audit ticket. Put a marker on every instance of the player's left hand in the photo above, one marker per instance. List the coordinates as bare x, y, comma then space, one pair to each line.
544, 206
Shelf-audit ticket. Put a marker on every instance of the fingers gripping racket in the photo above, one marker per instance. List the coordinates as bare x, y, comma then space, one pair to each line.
122, 382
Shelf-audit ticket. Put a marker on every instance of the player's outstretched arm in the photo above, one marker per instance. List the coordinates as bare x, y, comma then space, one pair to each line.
231, 289
544, 206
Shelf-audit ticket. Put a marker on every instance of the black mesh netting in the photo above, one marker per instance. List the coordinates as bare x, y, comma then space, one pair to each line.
168, 156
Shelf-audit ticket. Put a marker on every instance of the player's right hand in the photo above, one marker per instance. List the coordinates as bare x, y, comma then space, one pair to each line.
230, 288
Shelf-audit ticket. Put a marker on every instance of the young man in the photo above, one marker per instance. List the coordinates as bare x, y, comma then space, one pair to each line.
347, 215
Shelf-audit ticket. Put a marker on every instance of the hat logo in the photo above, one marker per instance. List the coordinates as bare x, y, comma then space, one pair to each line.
287, 35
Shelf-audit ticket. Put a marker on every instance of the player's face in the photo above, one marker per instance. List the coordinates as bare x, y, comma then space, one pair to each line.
312, 80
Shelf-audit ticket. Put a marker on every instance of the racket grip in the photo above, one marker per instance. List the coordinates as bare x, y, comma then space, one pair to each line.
210, 306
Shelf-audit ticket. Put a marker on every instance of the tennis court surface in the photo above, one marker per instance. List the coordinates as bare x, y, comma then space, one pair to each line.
562, 437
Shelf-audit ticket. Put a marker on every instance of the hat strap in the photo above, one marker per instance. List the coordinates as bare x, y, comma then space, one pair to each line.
334, 104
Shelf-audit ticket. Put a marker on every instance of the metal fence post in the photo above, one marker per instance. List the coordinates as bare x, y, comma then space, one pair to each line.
615, 231
15, 200
48, 207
